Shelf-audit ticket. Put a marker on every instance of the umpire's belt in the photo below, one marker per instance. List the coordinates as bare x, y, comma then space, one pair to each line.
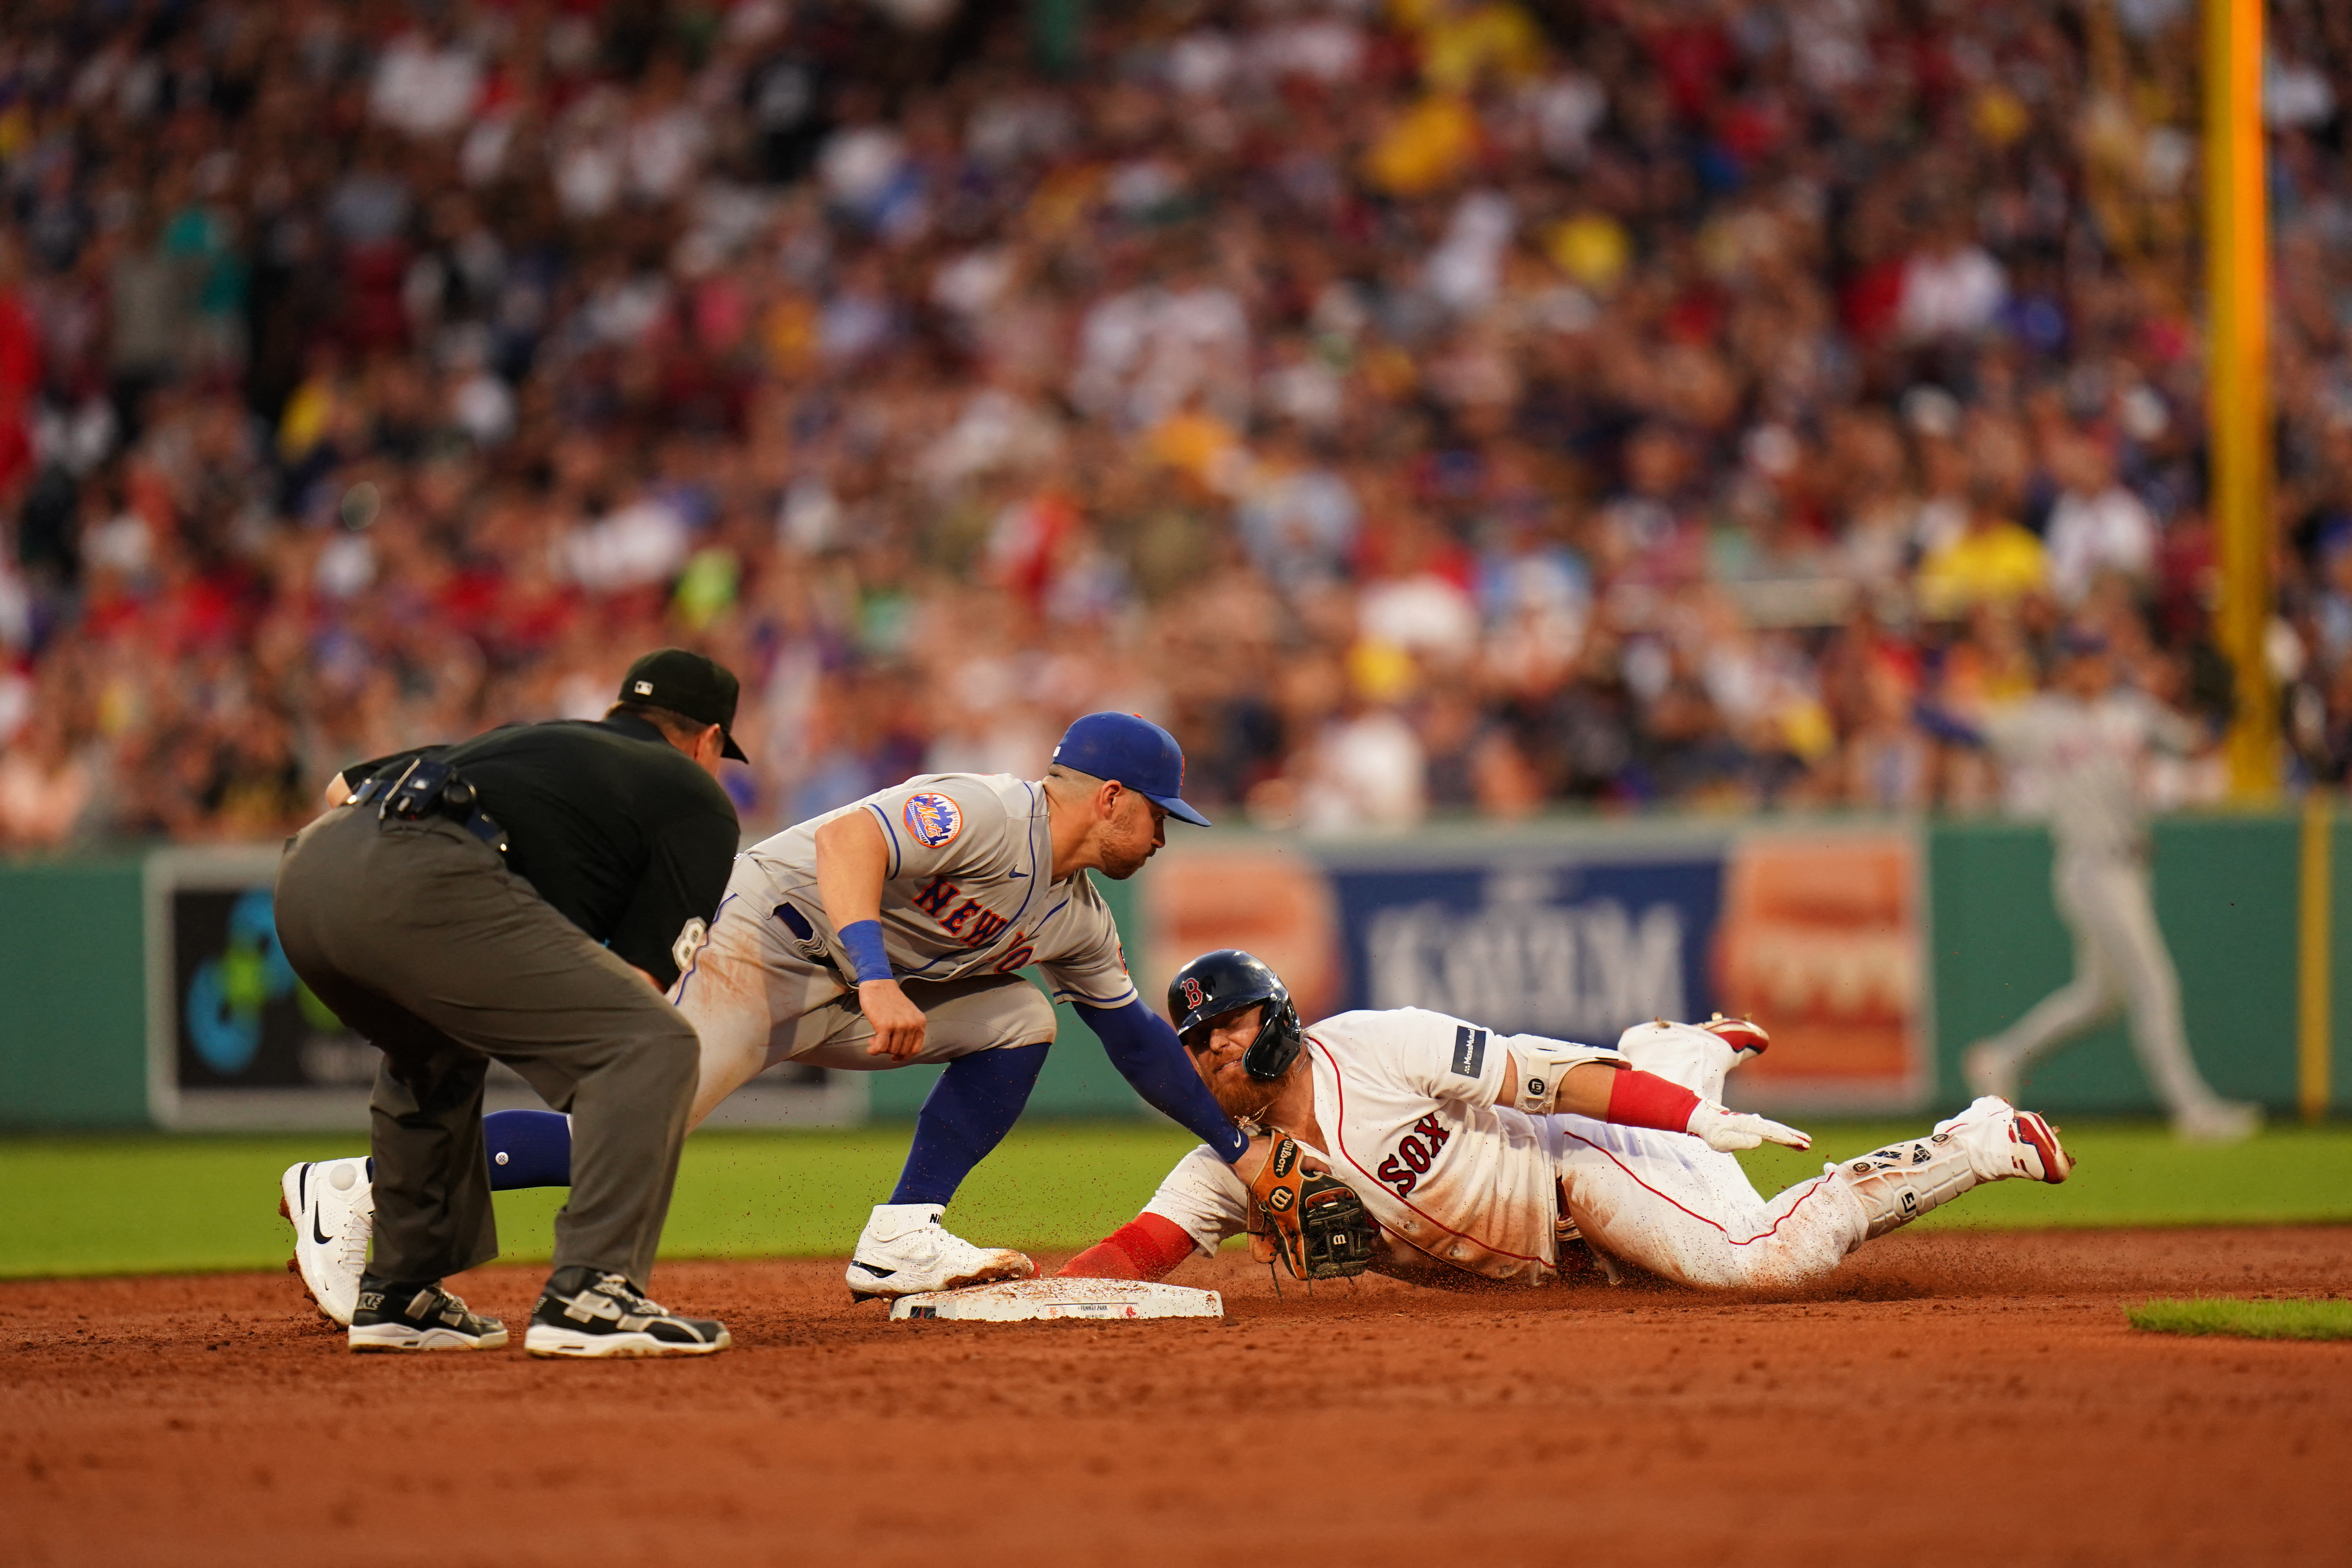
431, 787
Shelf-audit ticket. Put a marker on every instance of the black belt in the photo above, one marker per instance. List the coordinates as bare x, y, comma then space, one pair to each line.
430, 787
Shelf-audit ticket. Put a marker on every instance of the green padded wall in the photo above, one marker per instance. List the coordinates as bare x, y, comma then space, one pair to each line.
2225, 894
73, 997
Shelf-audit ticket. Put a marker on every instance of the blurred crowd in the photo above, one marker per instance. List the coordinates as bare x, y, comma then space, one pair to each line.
1419, 406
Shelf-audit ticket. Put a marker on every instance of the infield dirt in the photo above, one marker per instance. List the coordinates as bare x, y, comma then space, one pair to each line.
1959, 1398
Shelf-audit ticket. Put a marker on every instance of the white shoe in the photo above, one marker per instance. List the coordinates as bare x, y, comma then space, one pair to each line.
332, 1206
1989, 1072
2005, 1142
904, 1251
1745, 1036
2218, 1122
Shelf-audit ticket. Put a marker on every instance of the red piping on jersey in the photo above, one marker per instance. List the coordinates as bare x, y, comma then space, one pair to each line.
1339, 1137
1654, 1191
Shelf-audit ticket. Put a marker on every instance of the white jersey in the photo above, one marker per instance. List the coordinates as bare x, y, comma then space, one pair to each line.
2081, 762
966, 890
1406, 1099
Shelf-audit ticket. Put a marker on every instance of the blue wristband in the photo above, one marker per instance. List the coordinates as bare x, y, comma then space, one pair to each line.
862, 940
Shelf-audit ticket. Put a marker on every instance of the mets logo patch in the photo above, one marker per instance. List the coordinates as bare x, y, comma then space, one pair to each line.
933, 819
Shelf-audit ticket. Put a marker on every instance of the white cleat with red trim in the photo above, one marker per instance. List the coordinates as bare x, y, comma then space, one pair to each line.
1745, 1036
1991, 1140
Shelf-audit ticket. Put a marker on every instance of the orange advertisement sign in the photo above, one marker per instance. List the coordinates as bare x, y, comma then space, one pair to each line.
1820, 942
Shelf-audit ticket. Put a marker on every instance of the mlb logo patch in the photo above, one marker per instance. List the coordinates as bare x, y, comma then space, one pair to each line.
933, 819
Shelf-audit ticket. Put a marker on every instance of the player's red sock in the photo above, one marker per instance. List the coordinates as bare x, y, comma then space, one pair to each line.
1147, 1247
1640, 1099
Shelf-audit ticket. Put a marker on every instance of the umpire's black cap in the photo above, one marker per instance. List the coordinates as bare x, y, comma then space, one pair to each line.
692, 684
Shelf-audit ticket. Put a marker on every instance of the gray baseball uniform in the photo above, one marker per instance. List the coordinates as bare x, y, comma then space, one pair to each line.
2080, 762
967, 904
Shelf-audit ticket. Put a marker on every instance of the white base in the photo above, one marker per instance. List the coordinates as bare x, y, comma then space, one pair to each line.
1101, 1301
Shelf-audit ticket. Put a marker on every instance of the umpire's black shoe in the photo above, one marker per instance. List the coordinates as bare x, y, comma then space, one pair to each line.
584, 1313
394, 1315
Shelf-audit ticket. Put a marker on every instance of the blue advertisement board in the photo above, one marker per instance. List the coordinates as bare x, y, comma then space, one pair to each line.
1573, 948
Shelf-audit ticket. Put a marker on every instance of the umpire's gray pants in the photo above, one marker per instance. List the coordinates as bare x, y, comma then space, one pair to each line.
418, 936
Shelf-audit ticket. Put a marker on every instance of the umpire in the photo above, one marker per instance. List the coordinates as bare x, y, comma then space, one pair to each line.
524, 897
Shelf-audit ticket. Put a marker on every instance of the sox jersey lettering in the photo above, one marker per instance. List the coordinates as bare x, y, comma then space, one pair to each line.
965, 892
1406, 1099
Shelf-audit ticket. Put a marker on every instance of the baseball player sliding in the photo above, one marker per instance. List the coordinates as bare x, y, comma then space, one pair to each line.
888, 933
1481, 1153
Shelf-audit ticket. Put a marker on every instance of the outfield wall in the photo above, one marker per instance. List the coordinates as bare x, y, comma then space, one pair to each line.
148, 990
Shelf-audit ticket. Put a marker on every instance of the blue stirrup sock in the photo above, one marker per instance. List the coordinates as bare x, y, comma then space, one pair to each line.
967, 1113
1143, 1047
528, 1148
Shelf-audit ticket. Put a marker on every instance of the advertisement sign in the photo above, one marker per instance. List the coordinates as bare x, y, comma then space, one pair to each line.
235, 1040
1564, 947
1580, 934
1822, 941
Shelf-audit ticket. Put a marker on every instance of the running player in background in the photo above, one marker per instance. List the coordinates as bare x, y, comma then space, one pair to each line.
2078, 750
1481, 1153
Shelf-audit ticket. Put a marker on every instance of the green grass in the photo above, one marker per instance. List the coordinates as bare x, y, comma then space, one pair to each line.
2246, 1319
2127, 1173
158, 1204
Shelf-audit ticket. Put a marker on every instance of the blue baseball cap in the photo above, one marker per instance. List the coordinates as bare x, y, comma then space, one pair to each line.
1136, 752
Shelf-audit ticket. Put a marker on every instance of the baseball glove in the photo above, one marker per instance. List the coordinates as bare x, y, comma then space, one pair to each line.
1316, 1224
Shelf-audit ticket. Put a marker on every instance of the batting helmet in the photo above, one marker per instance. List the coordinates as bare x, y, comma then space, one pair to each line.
1224, 981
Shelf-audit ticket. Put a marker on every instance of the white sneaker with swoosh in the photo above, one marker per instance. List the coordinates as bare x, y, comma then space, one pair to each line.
905, 1251
331, 1206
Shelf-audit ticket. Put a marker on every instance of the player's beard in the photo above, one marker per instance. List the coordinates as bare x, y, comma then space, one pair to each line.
1120, 863
1240, 1096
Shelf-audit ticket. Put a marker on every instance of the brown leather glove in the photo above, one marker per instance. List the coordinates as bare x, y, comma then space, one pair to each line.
1316, 1222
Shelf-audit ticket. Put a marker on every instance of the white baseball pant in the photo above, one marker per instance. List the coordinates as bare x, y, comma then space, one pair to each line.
1671, 1204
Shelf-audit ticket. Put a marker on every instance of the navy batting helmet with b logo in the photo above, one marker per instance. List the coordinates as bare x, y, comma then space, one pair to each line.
1218, 984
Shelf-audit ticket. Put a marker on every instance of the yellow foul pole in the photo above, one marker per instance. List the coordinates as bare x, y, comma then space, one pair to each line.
2315, 958
2237, 233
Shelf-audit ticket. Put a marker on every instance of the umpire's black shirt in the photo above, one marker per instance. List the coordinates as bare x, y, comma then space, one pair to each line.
613, 824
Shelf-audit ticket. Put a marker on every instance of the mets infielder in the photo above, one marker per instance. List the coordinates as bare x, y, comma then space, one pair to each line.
2077, 750
1484, 1153
888, 933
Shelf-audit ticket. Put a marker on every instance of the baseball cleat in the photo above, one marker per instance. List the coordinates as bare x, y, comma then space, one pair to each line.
905, 1251
332, 1206
1744, 1035
586, 1313
401, 1317
2039, 1155
2218, 1122
2004, 1143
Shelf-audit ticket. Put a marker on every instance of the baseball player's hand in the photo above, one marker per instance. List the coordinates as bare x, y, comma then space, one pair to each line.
898, 1023
1732, 1130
